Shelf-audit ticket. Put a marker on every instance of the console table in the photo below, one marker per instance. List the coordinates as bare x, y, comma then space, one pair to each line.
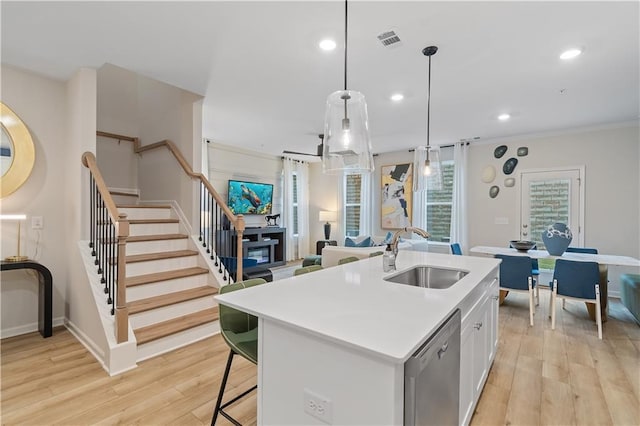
266, 245
45, 293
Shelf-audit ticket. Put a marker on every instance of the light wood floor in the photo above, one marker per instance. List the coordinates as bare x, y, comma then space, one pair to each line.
540, 376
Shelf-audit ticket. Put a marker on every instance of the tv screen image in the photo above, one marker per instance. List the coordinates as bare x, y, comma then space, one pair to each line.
250, 197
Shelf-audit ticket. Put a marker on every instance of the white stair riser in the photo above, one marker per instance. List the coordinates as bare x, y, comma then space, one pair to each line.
144, 291
142, 247
153, 228
161, 265
146, 213
124, 199
177, 340
166, 313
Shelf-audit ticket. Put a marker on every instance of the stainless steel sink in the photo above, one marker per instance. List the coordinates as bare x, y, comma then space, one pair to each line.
428, 277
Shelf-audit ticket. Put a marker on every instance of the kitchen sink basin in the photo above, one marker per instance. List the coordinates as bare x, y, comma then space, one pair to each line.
428, 277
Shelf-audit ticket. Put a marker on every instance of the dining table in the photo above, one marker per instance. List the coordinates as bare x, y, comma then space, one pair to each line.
603, 261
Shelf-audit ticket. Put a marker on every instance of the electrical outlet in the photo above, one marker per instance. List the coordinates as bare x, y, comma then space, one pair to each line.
318, 406
36, 222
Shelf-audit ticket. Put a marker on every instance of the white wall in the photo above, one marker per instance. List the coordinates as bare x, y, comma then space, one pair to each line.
228, 162
138, 106
42, 104
323, 195
612, 186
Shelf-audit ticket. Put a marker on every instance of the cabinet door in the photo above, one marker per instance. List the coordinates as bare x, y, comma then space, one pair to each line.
466, 373
481, 346
493, 295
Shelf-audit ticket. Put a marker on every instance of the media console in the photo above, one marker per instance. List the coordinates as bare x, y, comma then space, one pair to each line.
266, 245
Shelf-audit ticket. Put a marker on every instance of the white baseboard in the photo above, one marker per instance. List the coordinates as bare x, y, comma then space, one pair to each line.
26, 328
88, 343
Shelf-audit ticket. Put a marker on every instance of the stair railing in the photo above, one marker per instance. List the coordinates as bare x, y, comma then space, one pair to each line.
108, 235
217, 224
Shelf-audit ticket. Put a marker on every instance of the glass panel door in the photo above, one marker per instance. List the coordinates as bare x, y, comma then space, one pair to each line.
548, 197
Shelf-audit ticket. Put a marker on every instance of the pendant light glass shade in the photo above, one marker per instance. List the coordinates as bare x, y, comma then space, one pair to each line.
347, 145
427, 171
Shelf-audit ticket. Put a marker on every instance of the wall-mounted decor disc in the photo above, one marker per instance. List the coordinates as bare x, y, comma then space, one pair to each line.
510, 165
509, 182
493, 191
523, 151
499, 151
488, 174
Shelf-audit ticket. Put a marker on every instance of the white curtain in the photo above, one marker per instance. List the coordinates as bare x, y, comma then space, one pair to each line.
302, 170
297, 246
459, 205
366, 206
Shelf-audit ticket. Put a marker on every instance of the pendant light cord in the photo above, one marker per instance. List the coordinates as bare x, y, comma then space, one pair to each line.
428, 105
345, 44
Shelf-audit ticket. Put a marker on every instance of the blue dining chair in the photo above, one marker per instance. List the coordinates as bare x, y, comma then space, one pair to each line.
515, 275
586, 250
535, 268
576, 281
456, 249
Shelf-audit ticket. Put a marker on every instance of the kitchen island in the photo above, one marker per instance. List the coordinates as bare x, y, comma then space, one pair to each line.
341, 336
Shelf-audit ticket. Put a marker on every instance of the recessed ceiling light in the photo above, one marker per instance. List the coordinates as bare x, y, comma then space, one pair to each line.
397, 97
570, 54
327, 44
504, 117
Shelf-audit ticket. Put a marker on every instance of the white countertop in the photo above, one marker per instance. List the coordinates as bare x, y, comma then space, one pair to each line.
352, 305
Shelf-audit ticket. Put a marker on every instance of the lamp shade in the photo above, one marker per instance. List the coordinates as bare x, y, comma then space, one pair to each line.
347, 144
327, 216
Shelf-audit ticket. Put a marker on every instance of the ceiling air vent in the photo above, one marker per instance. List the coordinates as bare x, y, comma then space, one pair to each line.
389, 39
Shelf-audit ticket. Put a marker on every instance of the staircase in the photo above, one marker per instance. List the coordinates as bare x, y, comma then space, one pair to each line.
168, 284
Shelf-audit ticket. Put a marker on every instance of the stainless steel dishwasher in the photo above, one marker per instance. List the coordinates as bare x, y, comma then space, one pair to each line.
432, 378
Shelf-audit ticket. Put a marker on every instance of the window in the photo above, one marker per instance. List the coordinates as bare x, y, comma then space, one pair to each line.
439, 204
294, 179
352, 186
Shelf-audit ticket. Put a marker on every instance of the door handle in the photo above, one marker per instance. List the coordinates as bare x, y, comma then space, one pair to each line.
443, 349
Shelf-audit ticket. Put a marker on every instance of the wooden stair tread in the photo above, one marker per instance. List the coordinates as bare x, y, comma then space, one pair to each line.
166, 328
164, 276
156, 237
139, 221
143, 206
160, 255
154, 302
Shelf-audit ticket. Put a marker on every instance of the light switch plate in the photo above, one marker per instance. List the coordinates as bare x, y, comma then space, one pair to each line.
36, 222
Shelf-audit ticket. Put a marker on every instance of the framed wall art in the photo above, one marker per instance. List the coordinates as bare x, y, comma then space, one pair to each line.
397, 196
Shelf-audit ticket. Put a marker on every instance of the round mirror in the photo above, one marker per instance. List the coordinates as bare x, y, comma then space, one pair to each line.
17, 152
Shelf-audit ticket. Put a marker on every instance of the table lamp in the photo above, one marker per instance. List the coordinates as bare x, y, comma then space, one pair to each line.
18, 218
327, 216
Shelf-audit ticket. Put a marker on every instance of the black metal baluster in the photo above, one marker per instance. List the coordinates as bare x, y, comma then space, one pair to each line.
201, 208
96, 241
111, 263
206, 215
91, 214
216, 238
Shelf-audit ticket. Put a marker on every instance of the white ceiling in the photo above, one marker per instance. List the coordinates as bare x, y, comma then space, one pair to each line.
265, 81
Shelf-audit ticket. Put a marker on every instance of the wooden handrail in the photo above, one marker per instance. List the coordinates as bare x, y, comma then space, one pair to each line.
237, 220
121, 225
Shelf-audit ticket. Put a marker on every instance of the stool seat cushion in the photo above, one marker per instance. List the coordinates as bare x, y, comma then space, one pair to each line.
630, 293
312, 259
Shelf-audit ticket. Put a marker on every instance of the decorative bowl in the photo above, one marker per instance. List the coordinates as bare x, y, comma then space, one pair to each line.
522, 245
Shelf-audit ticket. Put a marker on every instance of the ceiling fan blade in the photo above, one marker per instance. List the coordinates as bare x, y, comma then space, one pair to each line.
298, 153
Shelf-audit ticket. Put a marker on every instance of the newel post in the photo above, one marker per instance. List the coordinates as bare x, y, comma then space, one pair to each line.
122, 312
240, 225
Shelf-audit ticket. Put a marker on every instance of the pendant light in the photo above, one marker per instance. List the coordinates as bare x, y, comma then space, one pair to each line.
431, 165
347, 145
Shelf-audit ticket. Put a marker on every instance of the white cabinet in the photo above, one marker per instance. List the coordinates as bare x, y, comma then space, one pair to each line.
478, 343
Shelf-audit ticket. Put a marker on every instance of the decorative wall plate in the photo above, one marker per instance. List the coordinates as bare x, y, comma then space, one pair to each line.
499, 151
493, 191
509, 182
523, 151
510, 165
488, 174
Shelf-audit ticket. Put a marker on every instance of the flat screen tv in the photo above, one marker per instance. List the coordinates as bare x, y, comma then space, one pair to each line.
250, 197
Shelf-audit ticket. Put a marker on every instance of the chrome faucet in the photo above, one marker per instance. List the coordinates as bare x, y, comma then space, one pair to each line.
396, 237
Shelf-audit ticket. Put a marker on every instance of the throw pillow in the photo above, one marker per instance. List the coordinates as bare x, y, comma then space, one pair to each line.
348, 242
